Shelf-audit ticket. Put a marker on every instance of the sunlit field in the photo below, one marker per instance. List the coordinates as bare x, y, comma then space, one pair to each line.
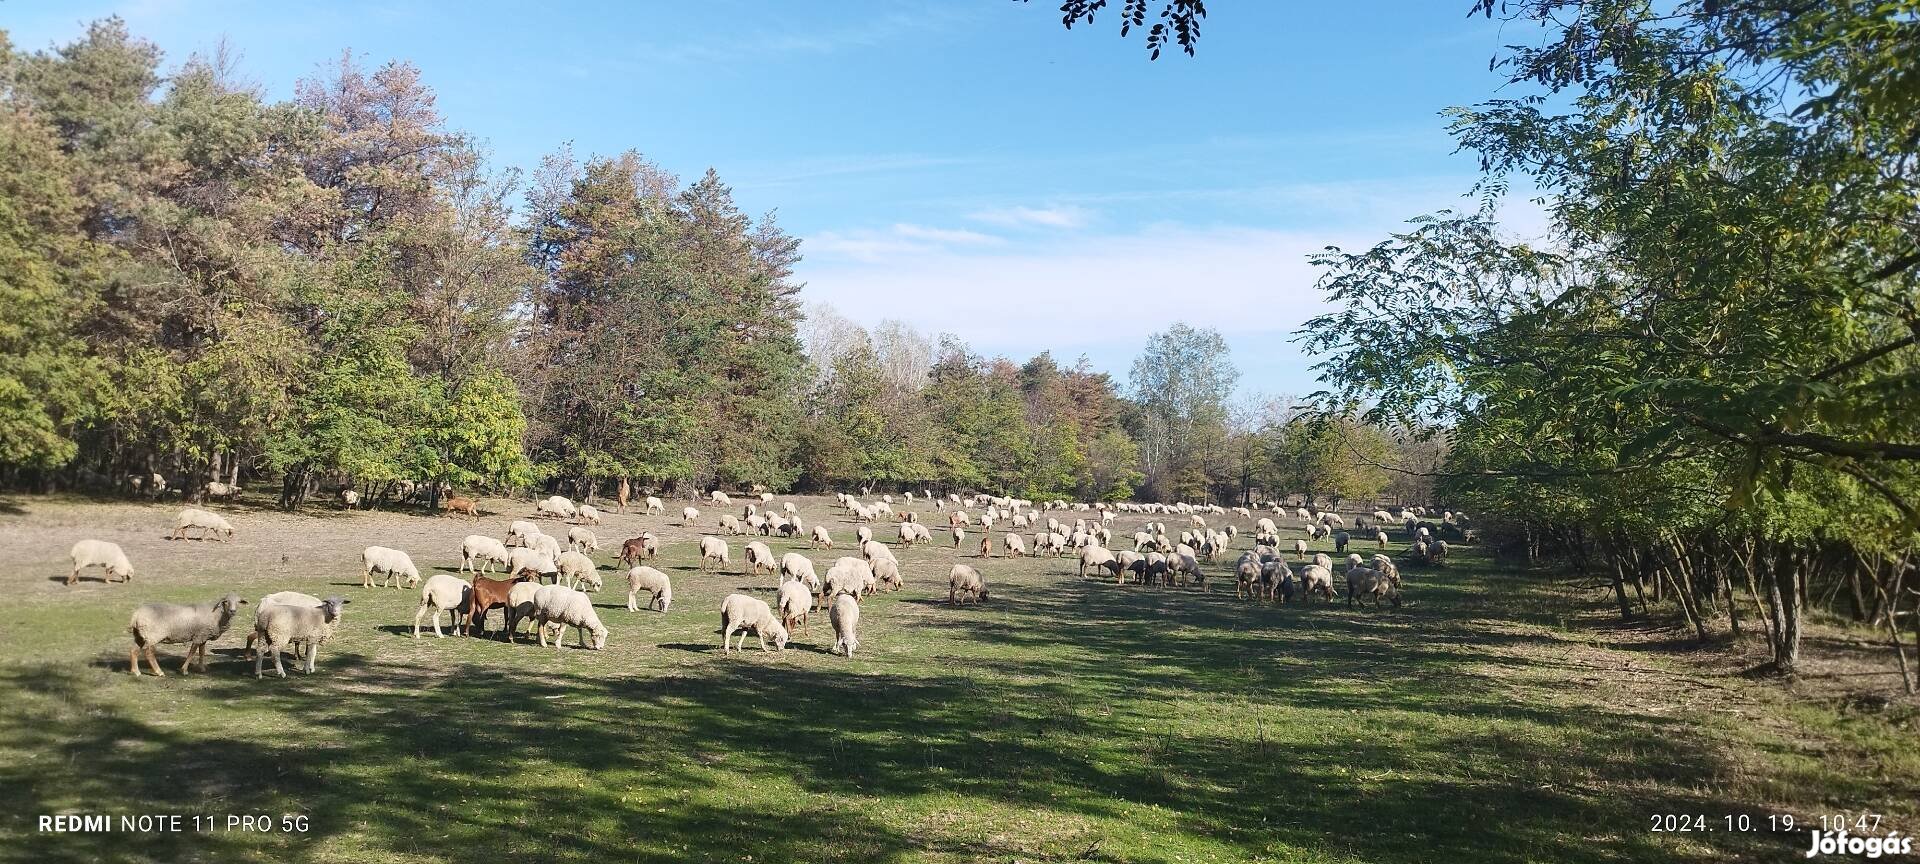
1495, 716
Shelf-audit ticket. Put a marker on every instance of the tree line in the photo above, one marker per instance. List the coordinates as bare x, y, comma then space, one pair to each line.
340, 290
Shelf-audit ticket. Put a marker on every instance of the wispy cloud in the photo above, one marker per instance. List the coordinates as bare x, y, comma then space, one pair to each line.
902, 241
1047, 217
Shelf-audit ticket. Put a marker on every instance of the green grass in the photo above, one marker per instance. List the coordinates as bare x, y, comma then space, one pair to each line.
1495, 718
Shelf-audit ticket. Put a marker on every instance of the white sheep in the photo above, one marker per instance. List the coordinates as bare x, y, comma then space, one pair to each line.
179, 624
796, 566
655, 506
822, 537
520, 531
588, 513
99, 553
208, 523
278, 598
1363, 582
965, 582
1097, 557
795, 602
283, 625
557, 505
848, 575
689, 514
845, 616
1316, 578
520, 606
644, 578
441, 593
1016, 547
862, 535
886, 571
719, 498
713, 549
760, 557
740, 613
393, 565
521, 559
349, 499
576, 570
579, 538
545, 544
560, 607
730, 524
216, 489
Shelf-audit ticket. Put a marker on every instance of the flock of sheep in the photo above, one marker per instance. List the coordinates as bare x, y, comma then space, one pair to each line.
548, 583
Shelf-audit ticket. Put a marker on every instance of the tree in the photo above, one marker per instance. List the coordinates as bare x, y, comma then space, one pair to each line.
1179, 22
1181, 383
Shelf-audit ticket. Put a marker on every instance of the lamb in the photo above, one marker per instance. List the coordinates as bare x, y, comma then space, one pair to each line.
391, 564
99, 553
1299, 548
795, 602
688, 515
644, 578
462, 505
822, 537
713, 549
577, 570
1380, 537
561, 607
845, 616
655, 507
637, 549
582, 539
965, 582
760, 557
175, 624
479, 547
1363, 582
588, 514
959, 536
281, 625
442, 593
740, 613
196, 518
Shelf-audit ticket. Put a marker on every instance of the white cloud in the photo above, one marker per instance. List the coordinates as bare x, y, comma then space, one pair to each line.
903, 241
1047, 217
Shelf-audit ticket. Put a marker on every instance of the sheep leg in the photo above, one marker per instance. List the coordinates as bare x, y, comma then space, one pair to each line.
153, 661
417, 613
277, 667
259, 657
74, 576
313, 655
451, 619
133, 660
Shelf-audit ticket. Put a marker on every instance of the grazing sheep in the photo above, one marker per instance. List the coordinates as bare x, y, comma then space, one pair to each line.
1016, 546
1340, 540
461, 505
1097, 557
730, 525
208, 523
218, 490
965, 582
392, 564
688, 515
520, 606
1316, 578
848, 575
280, 626
655, 506
559, 506
798, 567
542, 564
441, 593
521, 533
862, 535
740, 613
545, 544
845, 616
1247, 571
99, 553
177, 624
886, 571
760, 557
822, 537
637, 549
713, 549
795, 602
582, 539
576, 570
1380, 537
873, 551
719, 498
1323, 560
588, 514
1364, 582
560, 607
644, 578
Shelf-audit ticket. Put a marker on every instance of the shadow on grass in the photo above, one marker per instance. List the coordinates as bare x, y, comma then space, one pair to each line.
1392, 737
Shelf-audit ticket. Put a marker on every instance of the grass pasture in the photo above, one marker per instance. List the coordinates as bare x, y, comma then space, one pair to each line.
1496, 717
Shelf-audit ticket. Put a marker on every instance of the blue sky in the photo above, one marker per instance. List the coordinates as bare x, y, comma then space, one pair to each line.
966, 166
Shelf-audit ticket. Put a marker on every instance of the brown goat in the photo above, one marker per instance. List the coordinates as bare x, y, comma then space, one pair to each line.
635, 550
489, 594
462, 505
